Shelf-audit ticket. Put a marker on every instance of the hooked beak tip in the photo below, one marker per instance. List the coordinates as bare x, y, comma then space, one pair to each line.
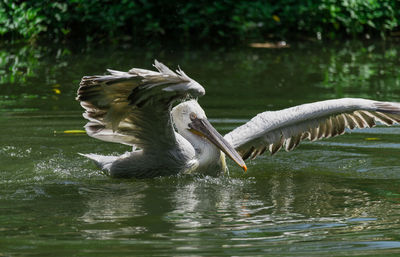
244, 167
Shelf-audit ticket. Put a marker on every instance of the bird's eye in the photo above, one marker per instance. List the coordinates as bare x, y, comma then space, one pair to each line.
193, 116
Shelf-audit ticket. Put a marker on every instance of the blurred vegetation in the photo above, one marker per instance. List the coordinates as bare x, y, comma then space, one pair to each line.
211, 21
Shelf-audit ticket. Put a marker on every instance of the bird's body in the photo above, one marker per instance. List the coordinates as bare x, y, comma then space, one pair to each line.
190, 154
135, 108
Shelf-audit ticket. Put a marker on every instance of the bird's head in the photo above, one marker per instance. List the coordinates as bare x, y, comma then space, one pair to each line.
190, 117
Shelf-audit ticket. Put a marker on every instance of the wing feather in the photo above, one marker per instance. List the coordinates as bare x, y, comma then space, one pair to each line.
287, 128
133, 107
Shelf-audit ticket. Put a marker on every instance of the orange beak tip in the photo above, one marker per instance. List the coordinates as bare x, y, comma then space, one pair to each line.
244, 168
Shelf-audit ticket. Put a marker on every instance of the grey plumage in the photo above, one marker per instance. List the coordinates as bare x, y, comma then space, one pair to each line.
132, 107
287, 128
135, 108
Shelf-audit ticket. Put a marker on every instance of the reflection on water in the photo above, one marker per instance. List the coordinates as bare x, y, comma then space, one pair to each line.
110, 206
262, 212
339, 196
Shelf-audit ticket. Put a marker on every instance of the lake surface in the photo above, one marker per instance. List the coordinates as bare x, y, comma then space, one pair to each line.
333, 197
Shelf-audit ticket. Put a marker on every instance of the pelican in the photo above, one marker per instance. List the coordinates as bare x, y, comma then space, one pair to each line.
136, 108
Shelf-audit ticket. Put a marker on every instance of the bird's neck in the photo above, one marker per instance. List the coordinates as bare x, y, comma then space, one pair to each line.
209, 157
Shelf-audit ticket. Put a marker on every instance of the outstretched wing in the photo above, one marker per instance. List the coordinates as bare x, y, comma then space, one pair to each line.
287, 128
133, 107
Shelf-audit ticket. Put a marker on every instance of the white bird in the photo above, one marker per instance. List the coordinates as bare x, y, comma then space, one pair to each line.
135, 108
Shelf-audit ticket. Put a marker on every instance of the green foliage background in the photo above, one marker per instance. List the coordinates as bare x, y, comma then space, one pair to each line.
214, 21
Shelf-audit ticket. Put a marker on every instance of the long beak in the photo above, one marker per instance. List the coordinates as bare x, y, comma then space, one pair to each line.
203, 127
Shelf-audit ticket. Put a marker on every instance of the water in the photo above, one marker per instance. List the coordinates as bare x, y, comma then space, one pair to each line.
333, 197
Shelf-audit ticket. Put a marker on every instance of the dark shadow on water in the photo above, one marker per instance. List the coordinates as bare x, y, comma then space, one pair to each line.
39, 77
